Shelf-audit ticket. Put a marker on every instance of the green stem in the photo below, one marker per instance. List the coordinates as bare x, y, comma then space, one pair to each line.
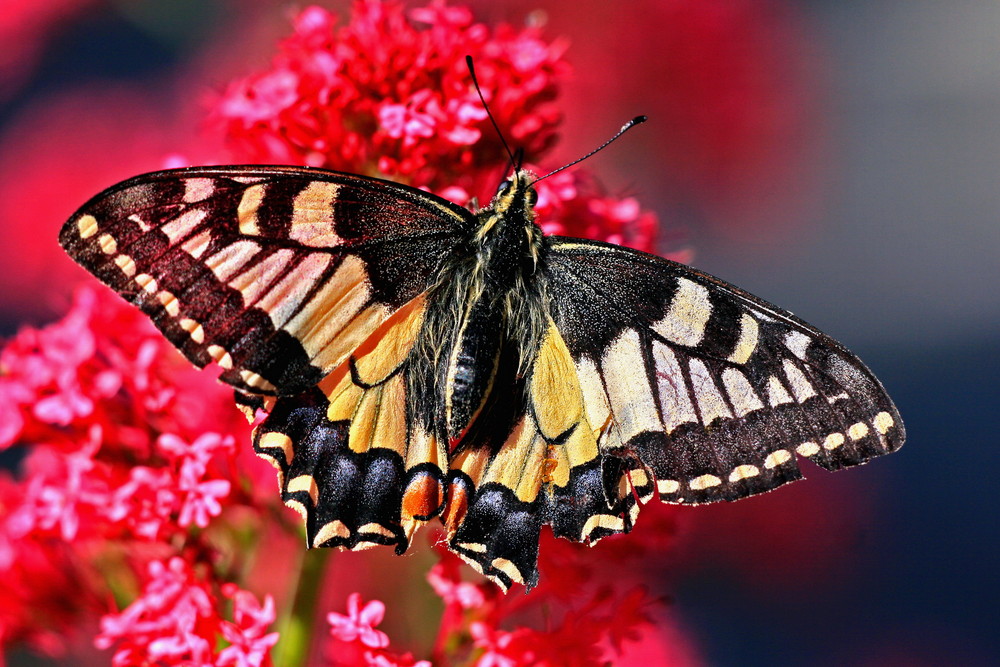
299, 619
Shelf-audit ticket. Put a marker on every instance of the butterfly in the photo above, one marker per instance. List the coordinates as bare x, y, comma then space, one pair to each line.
418, 361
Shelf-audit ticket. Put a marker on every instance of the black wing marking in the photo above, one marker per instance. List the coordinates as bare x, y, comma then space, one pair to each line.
275, 273
714, 391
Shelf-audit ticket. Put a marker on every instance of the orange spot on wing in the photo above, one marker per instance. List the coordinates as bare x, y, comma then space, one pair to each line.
457, 505
423, 497
548, 467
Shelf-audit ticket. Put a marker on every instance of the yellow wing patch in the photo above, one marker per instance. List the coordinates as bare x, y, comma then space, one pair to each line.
551, 438
339, 317
384, 352
367, 390
559, 405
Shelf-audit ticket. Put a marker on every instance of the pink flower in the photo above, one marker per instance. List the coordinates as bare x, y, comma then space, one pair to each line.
200, 497
42, 371
11, 421
38, 576
65, 491
359, 623
498, 646
198, 452
406, 121
202, 502
177, 621
247, 633
145, 503
359, 641
446, 583
164, 622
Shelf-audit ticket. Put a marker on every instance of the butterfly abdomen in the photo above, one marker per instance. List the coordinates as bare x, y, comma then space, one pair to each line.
470, 369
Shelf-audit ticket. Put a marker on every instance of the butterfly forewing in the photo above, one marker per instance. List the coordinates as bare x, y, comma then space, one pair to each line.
274, 273
714, 391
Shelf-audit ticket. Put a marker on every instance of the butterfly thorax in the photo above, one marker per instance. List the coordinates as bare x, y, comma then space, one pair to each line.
484, 321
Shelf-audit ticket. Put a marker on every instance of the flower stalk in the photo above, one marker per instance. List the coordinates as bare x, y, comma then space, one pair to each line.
297, 623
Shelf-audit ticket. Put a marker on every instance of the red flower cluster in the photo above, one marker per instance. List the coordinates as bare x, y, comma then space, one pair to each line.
99, 395
572, 203
134, 487
389, 95
593, 601
120, 467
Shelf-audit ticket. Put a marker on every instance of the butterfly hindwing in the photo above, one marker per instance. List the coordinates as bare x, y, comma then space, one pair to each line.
350, 457
274, 273
715, 392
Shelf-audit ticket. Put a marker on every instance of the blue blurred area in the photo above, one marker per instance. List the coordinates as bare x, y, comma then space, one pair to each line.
924, 582
95, 46
902, 265
906, 249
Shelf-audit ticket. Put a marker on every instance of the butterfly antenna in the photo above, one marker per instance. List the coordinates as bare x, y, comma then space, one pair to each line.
472, 70
518, 159
625, 128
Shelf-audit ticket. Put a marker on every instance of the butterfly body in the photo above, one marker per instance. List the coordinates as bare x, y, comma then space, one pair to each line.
417, 361
483, 316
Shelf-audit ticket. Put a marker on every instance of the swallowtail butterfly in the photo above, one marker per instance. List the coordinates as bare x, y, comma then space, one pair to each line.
417, 361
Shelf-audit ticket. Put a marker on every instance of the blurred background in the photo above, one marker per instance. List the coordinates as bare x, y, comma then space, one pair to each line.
836, 157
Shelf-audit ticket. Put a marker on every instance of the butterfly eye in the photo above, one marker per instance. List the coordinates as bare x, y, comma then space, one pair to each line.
504, 187
531, 197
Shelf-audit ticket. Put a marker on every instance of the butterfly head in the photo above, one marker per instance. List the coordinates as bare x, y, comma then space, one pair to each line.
512, 206
516, 196
509, 221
